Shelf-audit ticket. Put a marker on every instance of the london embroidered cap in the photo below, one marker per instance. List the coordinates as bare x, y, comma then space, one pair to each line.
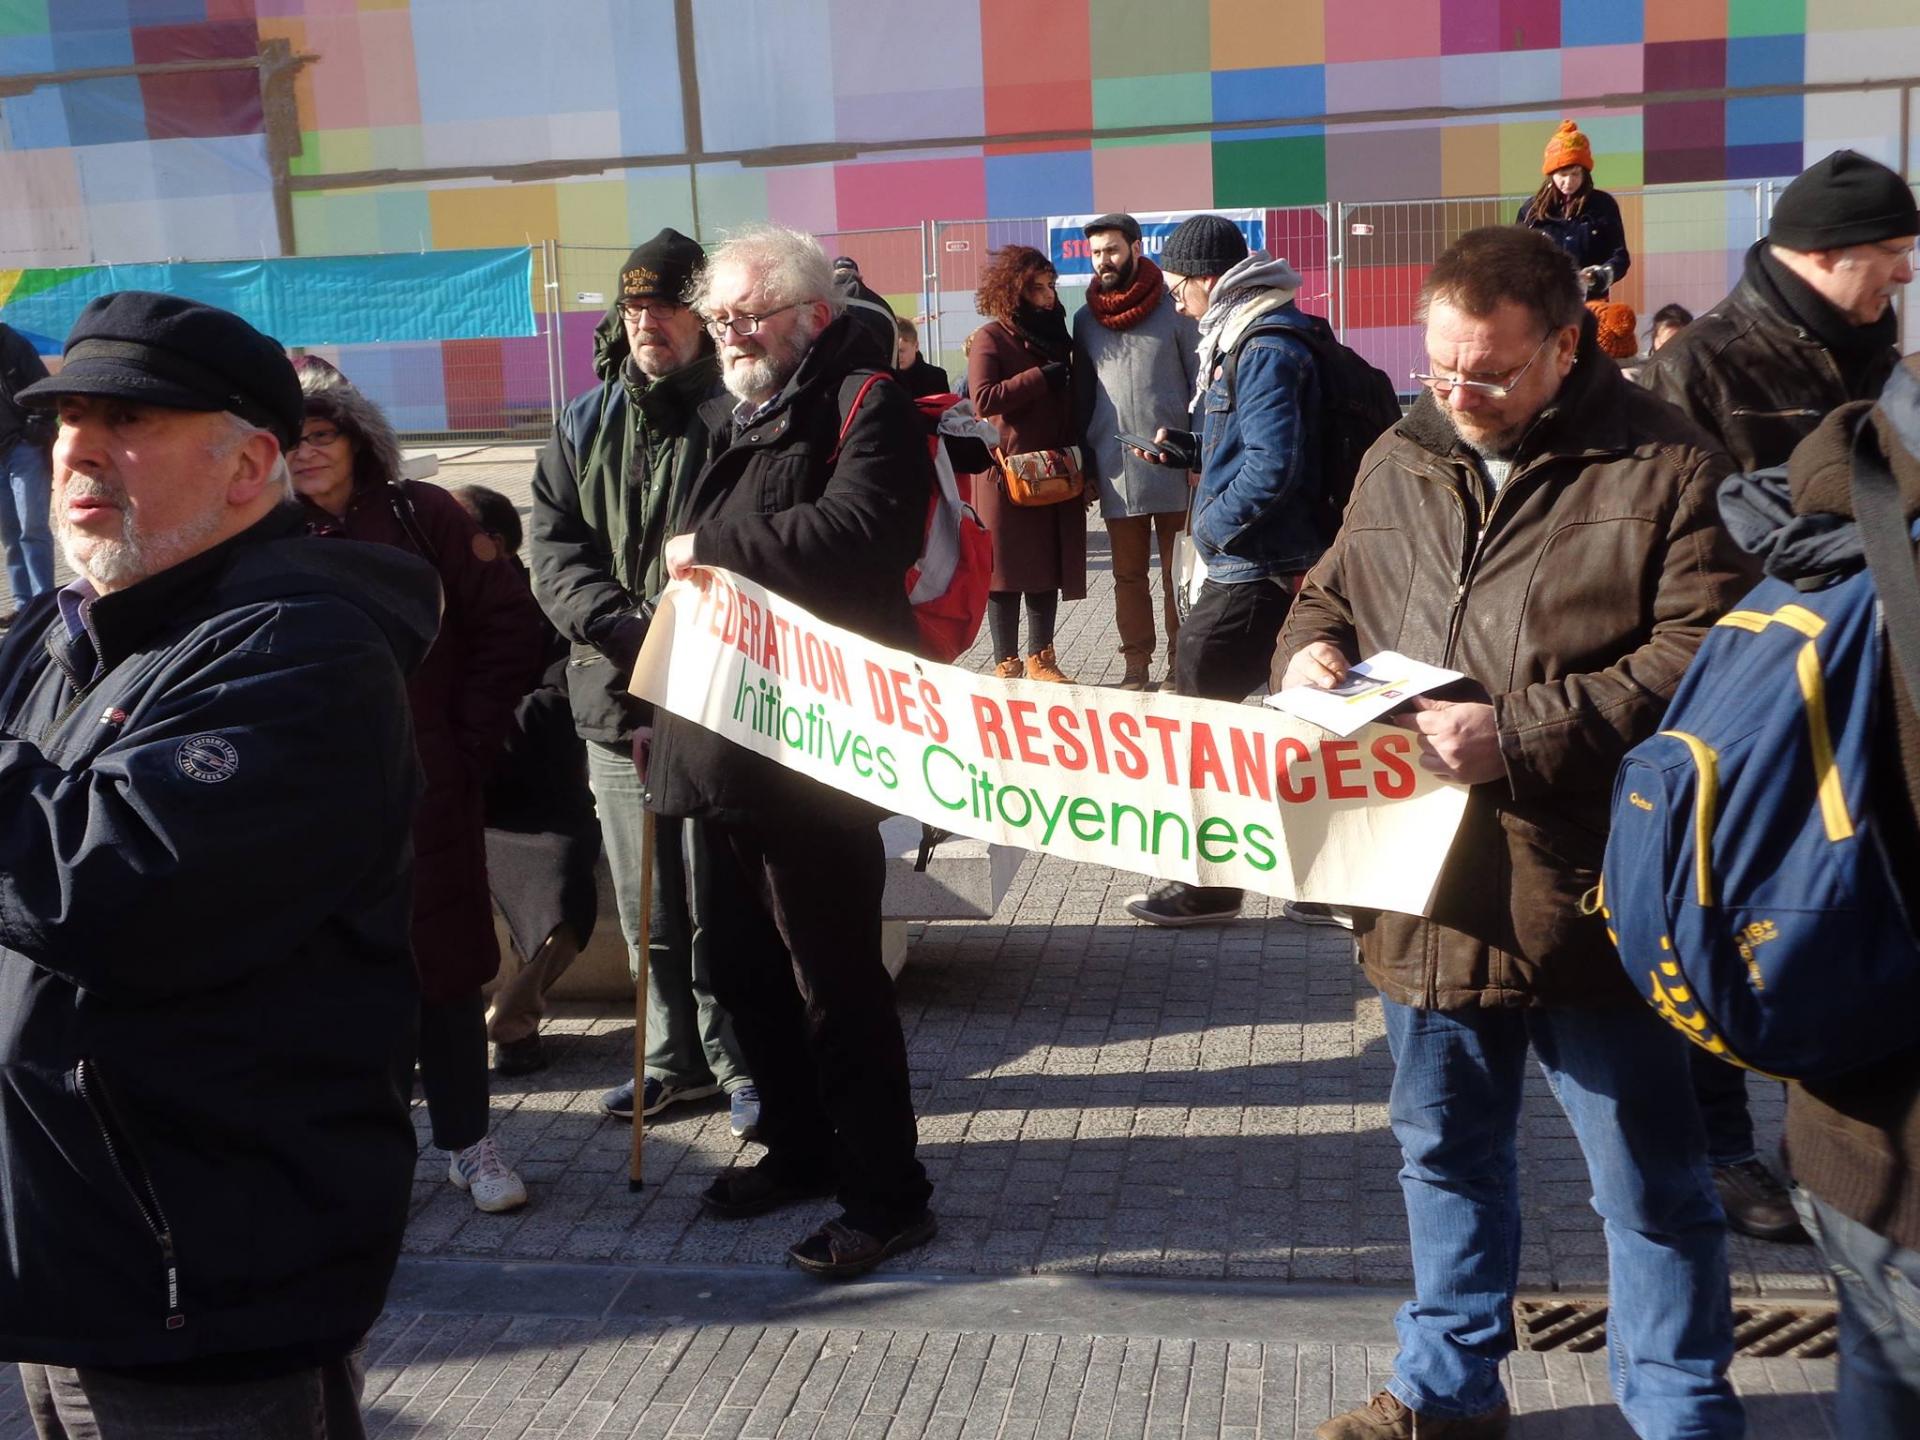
662, 268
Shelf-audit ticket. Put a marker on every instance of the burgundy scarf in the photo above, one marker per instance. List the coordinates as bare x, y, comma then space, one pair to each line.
1124, 309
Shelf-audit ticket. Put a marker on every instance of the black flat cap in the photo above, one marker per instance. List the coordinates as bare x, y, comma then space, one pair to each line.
169, 351
1118, 220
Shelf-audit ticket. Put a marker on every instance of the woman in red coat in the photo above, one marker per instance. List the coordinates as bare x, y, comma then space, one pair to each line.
488, 654
1017, 378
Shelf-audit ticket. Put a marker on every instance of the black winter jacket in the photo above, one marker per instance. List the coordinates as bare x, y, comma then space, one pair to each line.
1757, 376
20, 366
1595, 236
836, 538
206, 998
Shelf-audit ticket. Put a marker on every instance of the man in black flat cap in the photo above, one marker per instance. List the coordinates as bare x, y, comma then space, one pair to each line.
206, 994
611, 475
1809, 327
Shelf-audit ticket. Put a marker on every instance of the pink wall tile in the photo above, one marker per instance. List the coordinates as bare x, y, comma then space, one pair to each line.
1601, 70
907, 192
1153, 177
804, 197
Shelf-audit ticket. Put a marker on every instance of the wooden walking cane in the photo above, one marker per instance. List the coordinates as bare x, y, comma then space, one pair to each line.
634, 1182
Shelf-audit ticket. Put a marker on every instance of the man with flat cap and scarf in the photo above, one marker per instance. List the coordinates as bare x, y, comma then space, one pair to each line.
610, 476
1809, 328
206, 995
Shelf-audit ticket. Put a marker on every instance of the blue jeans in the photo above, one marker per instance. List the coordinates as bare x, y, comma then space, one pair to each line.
1621, 1076
1878, 1397
690, 1039
25, 493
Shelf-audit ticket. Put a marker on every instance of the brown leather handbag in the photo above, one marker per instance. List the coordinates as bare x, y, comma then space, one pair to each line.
1041, 477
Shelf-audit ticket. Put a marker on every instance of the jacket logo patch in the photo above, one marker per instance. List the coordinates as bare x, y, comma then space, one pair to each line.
208, 759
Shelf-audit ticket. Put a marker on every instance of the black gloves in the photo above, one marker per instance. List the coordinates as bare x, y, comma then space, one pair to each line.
1056, 373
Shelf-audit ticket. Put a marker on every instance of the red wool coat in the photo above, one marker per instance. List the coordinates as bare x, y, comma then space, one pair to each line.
489, 653
1037, 547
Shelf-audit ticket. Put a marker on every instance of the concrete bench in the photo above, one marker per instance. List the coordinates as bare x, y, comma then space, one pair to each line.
964, 880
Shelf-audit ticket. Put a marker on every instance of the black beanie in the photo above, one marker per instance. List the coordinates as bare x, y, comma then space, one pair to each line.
1203, 245
1845, 199
663, 266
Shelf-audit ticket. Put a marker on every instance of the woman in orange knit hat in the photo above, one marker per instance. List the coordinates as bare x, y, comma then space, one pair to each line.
1581, 220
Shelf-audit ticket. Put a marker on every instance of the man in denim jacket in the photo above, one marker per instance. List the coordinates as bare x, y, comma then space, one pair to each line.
1256, 519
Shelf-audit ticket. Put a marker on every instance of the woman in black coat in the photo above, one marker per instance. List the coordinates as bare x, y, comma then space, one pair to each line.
1581, 220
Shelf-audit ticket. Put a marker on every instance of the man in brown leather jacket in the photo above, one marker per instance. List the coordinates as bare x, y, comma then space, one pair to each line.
1548, 529
1809, 327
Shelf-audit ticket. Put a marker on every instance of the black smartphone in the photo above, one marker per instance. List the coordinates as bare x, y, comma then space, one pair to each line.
1159, 453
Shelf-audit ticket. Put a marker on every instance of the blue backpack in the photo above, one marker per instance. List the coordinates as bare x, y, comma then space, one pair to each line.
1746, 883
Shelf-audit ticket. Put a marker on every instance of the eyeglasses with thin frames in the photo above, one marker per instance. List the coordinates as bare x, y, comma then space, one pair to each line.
1445, 385
744, 324
318, 439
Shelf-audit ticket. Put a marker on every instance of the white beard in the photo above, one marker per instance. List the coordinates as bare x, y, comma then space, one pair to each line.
115, 563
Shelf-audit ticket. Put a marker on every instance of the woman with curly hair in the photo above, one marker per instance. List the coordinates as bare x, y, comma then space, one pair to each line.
1581, 220
1017, 376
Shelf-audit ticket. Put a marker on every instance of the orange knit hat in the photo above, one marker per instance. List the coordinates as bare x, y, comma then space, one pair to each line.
1614, 325
1567, 147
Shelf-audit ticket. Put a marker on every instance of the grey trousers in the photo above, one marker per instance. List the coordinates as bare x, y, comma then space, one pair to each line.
690, 1038
319, 1403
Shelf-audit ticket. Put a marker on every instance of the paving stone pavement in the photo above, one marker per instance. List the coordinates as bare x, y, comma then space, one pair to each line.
1097, 1098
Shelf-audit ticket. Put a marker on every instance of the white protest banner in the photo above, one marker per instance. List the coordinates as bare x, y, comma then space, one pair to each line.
1181, 789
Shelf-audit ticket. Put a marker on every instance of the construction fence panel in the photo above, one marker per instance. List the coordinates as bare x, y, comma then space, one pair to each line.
1686, 243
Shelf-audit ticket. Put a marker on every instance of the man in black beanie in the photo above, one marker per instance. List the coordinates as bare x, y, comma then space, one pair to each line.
609, 479
1809, 327
1256, 519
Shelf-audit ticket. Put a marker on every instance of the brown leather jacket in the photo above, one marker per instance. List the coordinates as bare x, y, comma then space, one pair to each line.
1574, 606
1757, 378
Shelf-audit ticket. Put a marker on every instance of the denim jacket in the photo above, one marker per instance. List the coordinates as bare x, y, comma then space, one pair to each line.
1254, 516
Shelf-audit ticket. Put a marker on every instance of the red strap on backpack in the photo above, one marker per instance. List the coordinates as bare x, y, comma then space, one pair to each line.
853, 410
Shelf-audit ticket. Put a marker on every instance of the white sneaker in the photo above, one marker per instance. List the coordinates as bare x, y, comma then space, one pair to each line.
483, 1173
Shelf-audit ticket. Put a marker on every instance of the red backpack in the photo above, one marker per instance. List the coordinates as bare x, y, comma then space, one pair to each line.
947, 585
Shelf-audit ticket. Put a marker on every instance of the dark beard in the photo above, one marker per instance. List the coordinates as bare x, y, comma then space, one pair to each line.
1118, 279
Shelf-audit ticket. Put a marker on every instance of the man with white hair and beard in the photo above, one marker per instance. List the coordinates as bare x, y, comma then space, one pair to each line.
1550, 530
818, 490
207, 999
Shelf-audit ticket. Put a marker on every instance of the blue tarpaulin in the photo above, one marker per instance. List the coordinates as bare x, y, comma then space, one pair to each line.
306, 300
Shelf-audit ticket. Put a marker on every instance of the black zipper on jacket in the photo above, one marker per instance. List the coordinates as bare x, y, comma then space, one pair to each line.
133, 1174
75, 682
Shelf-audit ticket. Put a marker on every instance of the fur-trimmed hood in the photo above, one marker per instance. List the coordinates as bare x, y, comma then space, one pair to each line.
332, 396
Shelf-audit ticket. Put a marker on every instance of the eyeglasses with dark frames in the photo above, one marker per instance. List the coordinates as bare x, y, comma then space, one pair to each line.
656, 308
744, 324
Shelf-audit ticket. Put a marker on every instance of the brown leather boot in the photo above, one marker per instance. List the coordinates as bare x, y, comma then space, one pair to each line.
1011, 668
1045, 666
1136, 677
1385, 1418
